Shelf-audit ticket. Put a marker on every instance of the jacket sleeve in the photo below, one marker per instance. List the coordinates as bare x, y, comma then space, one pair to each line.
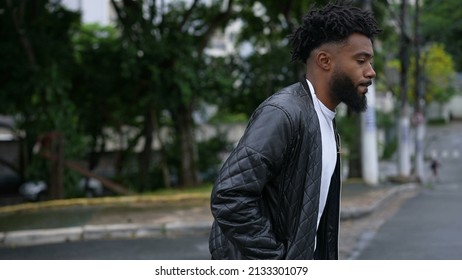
236, 197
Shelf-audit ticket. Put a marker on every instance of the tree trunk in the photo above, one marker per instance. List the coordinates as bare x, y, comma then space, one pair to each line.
185, 122
163, 154
146, 154
57, 167
120, 156
94, 157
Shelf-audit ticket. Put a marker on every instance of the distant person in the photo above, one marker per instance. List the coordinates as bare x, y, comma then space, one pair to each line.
434, 166
277, 196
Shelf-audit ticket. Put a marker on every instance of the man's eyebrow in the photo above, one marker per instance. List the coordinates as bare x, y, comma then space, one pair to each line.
364, 54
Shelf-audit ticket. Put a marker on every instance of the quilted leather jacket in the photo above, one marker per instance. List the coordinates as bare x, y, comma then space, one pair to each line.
266, 197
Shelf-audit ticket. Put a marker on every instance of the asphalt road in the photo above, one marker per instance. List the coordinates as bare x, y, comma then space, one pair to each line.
179, 248
428, 226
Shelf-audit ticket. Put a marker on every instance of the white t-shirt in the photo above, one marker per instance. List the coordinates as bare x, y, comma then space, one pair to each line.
329, 148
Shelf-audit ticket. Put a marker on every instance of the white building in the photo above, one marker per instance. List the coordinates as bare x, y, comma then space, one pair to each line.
93, 11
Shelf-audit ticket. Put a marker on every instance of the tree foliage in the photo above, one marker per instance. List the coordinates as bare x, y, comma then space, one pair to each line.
35, 79
439, 73
442, 22
170, 72
101, 91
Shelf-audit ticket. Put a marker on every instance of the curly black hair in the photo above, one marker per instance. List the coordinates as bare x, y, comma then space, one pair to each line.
329, 24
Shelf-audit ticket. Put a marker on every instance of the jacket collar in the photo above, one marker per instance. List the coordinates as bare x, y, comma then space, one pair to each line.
305, 85
307, 89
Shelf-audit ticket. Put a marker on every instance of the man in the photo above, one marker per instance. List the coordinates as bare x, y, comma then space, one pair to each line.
278, 194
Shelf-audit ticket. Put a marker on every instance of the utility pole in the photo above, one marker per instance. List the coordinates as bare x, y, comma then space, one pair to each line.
418, 119
369, 154
404, 158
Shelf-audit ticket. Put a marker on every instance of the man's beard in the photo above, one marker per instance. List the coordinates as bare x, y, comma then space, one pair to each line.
344, 89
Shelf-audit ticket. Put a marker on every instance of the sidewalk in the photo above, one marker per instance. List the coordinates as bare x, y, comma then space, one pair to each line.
146, 216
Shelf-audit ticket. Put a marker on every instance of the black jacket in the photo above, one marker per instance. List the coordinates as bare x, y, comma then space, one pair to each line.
265, 200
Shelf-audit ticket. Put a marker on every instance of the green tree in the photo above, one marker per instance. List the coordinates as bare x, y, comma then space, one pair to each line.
165, 46
442, 22
36, 58
101, 91
439, 73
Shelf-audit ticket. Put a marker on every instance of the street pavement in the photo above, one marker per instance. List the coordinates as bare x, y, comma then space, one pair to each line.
142, 218
428, 226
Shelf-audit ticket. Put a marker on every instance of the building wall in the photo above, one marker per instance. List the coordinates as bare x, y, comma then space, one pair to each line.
93, 11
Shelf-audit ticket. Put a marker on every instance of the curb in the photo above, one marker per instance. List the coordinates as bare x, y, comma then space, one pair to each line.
99, 232
171, 229
359, 212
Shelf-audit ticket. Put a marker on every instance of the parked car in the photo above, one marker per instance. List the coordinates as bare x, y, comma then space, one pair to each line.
38, 191
34, 191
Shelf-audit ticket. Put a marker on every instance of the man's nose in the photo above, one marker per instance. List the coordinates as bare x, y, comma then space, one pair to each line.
370, 73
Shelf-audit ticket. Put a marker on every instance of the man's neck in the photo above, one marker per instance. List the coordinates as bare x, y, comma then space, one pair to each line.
320, 88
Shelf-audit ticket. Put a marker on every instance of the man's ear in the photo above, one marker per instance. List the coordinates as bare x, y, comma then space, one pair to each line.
324, 60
